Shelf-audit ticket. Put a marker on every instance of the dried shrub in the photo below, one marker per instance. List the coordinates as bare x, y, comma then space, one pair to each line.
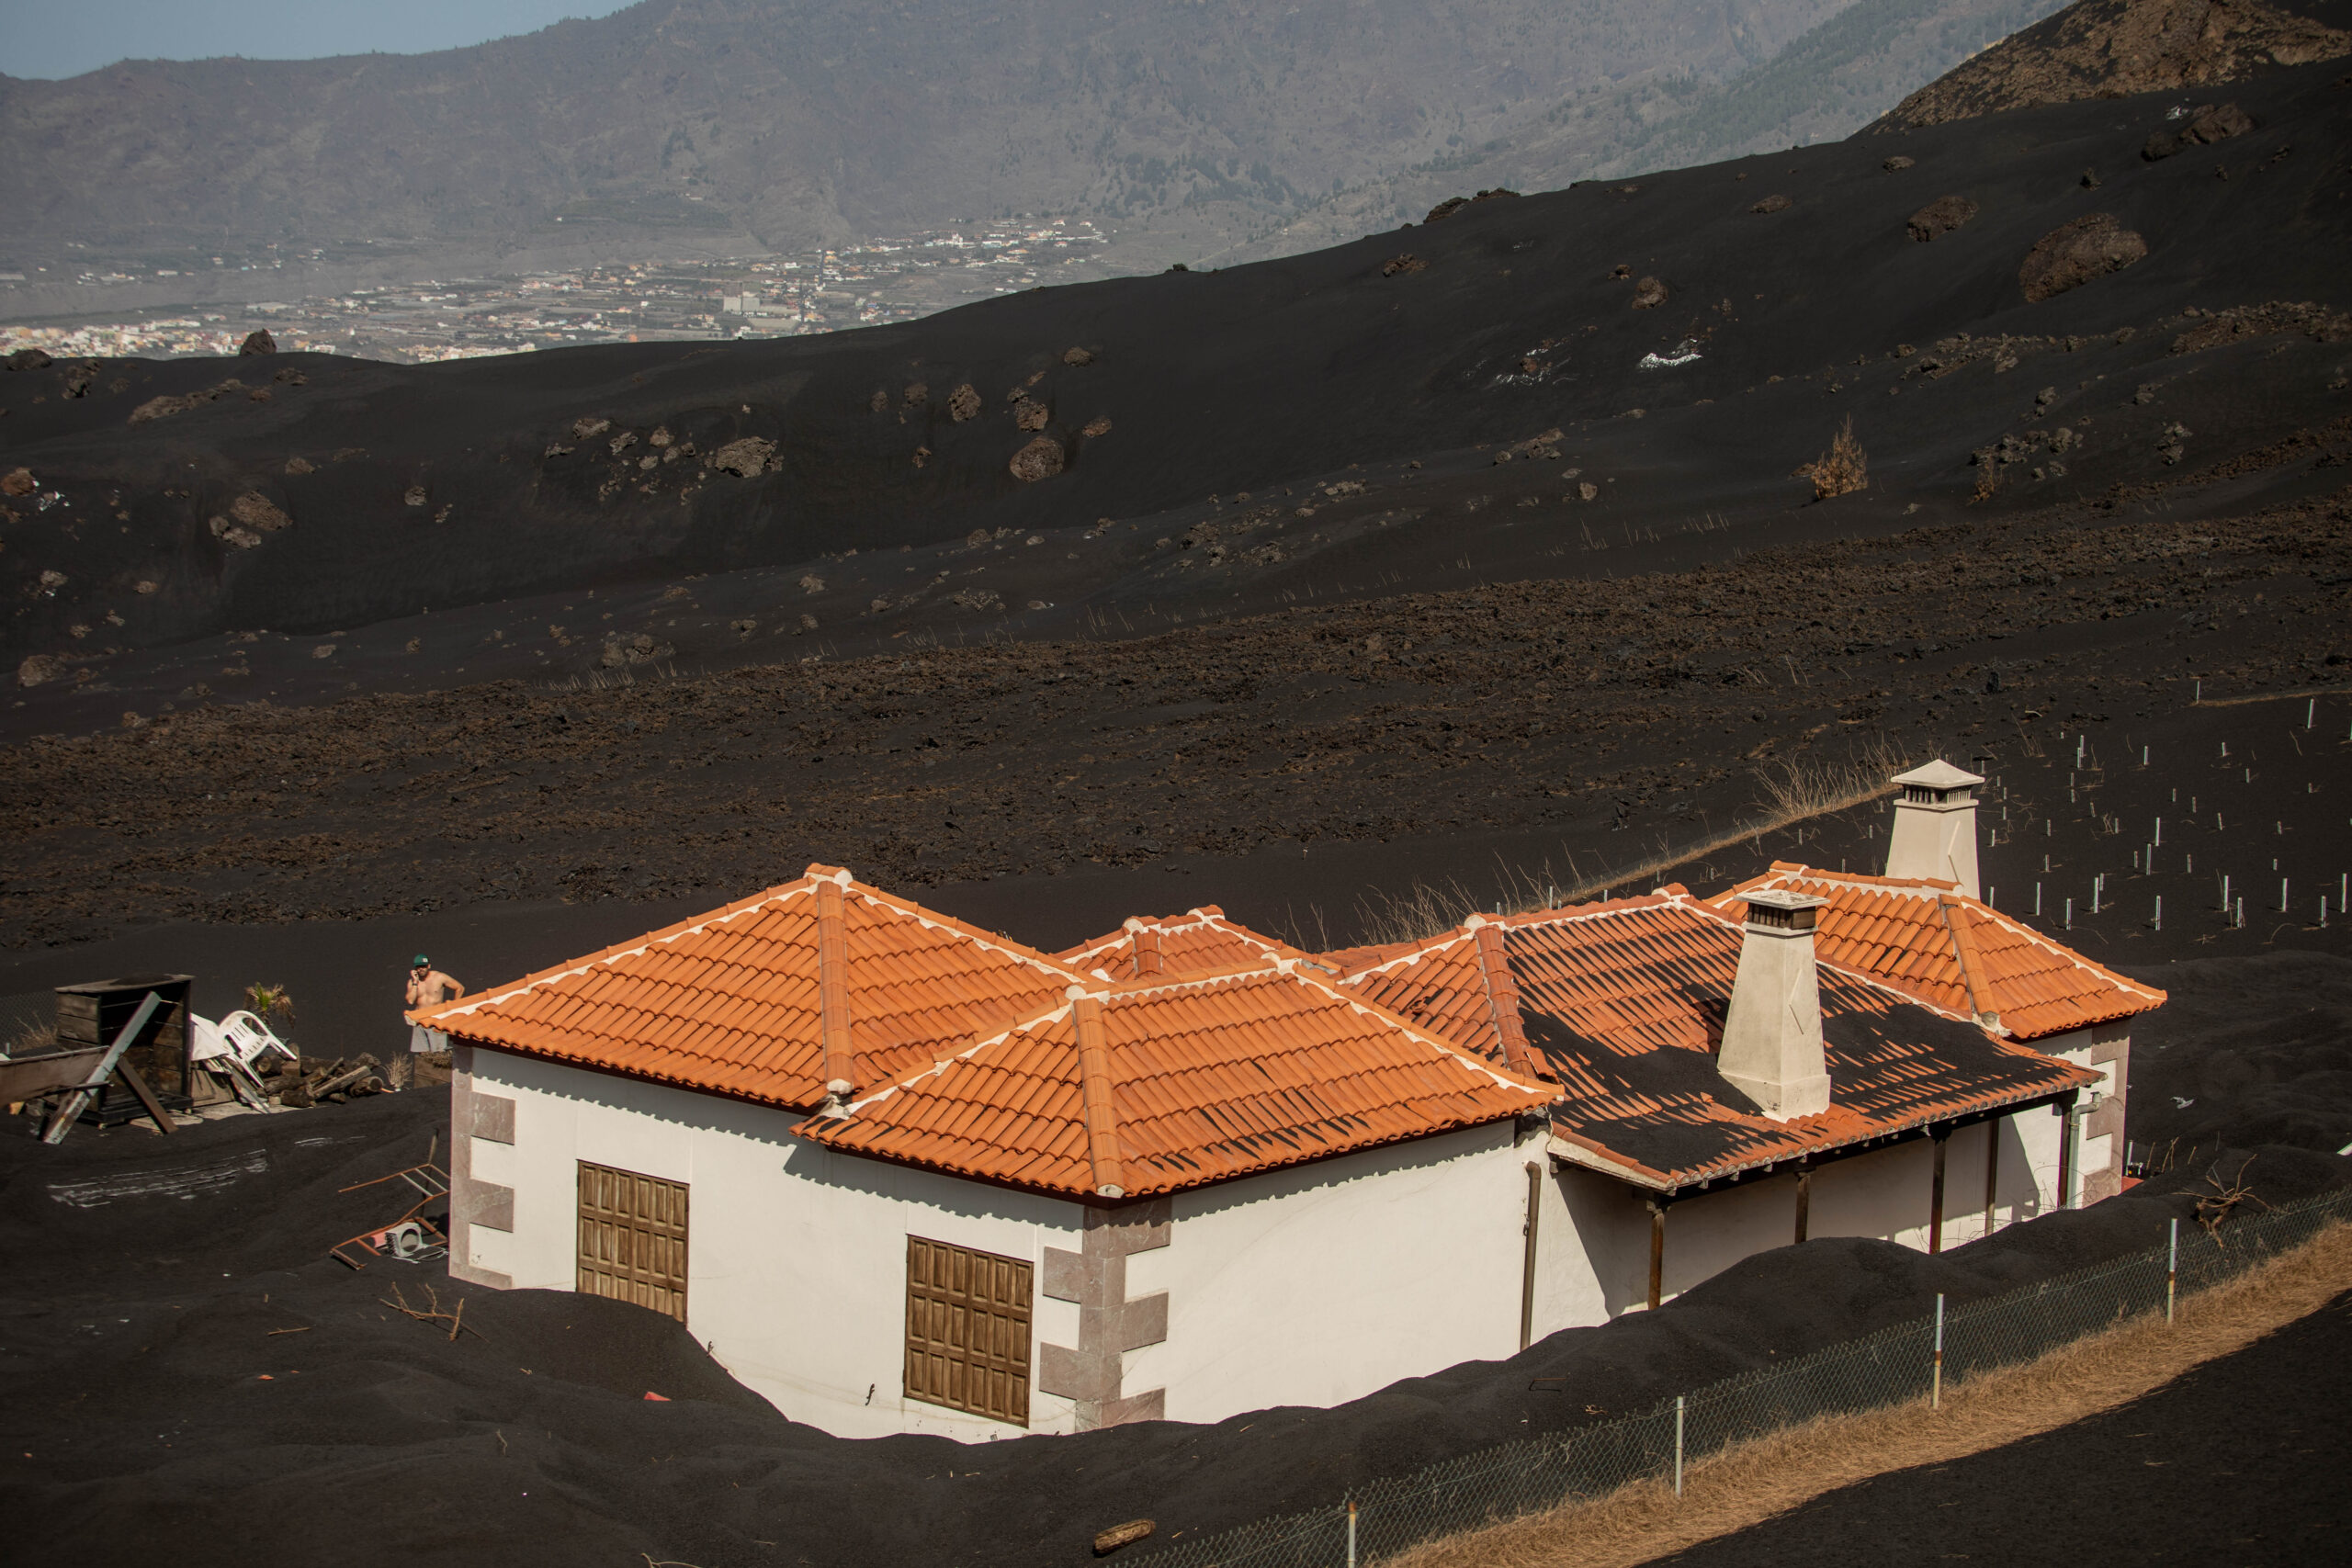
1841, 470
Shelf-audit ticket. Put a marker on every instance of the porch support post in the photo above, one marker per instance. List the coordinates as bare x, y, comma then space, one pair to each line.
1942, 1137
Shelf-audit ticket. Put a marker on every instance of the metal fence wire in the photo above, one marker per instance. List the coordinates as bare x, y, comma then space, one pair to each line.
1893, 1366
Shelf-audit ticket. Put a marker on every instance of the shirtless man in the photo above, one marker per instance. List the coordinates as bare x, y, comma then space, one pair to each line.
427, 987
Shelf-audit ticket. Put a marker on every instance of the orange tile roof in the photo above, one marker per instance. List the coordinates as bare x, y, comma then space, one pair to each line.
1147, 1086
1195, 943
1928, 939
1623, 1002
747, 1001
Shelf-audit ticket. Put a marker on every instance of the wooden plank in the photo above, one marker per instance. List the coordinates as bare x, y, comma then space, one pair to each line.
156, 1112
24, 1077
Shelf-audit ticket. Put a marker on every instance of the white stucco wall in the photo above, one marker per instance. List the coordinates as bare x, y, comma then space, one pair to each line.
1312, 1285
795, 1258
1324, 1283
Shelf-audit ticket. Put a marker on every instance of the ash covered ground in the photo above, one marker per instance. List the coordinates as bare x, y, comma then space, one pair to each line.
1381, 568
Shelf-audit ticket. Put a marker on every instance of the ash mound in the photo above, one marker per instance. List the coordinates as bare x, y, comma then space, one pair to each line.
2112, 49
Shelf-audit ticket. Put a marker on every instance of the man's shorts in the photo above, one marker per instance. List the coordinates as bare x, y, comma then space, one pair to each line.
421, 1039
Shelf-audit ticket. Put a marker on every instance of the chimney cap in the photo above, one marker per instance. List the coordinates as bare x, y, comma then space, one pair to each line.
1938, 774
1783, 898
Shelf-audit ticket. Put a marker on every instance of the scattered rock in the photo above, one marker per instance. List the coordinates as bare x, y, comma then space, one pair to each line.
2219, 327
556, 449
1940, 216
623, 442
1546, 444
811, 583
414, 496
80, 379
29, 359
2173, 444
1773, 204
976, 599
1407, 262
258, 341
916, 395
1076, 357
661, 436
1587, 491
878, 402
257, 512
1899, 163
1648, 293
743, 627
229, 533
582, 429
1028, 414
160, 408
20, 481
746, 459
2090, 179
323, 651
2073, 253
808, 622
40, 668
1041, 460
963, 404
922, 455
145, 585
52, 581
2215, 122
623, 649
299, 466
2114, 49
1453, 204
1099, 426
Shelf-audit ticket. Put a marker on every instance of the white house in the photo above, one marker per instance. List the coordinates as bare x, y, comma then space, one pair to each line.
901, 1174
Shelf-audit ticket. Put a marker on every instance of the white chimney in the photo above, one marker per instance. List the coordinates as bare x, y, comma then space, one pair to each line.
1772, 1051
1935, 826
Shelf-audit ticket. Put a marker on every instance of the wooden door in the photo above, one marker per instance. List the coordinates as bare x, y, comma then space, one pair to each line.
633, 1239
967, 1330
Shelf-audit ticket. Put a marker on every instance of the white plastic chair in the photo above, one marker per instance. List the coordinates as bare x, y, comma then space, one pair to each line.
235, 1047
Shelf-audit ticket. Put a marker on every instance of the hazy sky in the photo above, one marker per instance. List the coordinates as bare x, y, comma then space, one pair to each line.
65, 38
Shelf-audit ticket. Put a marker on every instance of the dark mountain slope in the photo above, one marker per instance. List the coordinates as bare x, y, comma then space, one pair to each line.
403, 488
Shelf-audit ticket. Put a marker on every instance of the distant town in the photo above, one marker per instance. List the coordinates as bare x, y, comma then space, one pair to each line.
882, 279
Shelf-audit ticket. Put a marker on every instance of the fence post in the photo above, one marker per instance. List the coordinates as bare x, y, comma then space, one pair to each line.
1678, 1445
1352, 1533
2172, 1268
1936, 1387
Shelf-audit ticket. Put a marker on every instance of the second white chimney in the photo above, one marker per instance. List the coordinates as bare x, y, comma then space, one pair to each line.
1772, 1051
1935, 826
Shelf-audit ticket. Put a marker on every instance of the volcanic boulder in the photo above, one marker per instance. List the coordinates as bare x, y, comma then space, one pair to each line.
746, 459
1648, 293
963, 404
1772, 204
1940, 216
1041, 460
38, 669
2213, 123
2073, 253
1407, 262
20, 481
29, 359
258, 341
1029, 416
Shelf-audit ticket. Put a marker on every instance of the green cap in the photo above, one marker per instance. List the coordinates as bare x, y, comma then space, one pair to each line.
423, 962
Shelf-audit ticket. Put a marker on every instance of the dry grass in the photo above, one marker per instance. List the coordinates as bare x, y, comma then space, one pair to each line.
1788, 792
1748, 1484
1841, 470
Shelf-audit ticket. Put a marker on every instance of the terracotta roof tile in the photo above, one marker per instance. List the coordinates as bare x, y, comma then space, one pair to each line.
730, 1001
1622, 1003
1912, 933
1197, 941
1206, 1077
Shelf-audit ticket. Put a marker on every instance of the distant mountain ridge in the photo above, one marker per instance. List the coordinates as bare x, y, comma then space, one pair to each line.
791, 122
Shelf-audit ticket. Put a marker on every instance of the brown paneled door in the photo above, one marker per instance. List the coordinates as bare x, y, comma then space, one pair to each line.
967, 1330
633, 1239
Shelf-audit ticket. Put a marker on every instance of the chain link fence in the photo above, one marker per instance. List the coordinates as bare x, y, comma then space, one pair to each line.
1896, 1365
